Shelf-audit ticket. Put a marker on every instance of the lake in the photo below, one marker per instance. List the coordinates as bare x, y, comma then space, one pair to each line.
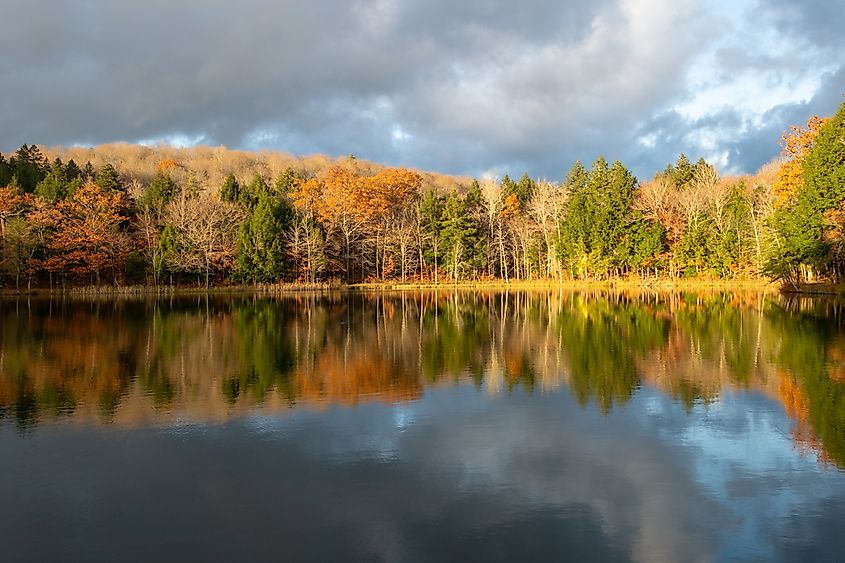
433, 426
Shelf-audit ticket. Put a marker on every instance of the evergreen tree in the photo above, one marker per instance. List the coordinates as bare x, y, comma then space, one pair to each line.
640, 245
250, 194
508, 186
88, 173
523, 190
476, 251
231, 189
29, 166
5, 172
681, 172
576, 178
108, 180
824, 166
168, 249
598, 214
72, 171
696, 249
192, 184
460, 235
431, 225
286, 181
54, 185
261, 241
160, 191
801, 223
733, 238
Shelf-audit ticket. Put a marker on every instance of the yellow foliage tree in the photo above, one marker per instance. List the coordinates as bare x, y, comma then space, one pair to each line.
796, 143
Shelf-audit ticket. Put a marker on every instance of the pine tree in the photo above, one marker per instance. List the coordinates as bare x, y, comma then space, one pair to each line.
681, 172
5, 172
460, 235
824, 166
576, 178
88, 173
431, 225
160, 191
285, 182
476, 249
524, 189
54, 185
261, 241
251, 193
230, 190
108, 179
72, 171
29, 166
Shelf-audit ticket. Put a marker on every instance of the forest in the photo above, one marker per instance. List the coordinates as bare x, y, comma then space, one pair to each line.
207, 217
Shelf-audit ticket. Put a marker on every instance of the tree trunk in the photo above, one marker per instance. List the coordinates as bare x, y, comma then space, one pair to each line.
436, 277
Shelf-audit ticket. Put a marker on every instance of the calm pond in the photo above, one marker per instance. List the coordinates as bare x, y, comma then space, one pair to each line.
469, 426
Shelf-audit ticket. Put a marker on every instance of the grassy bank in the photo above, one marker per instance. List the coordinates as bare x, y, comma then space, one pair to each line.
582, 285
650, 284
166, 290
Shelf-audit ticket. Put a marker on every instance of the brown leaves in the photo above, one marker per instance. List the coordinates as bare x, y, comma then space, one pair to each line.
343, 195
12, 204
307, 195
799, 140
511, 207
87, 238
389, 190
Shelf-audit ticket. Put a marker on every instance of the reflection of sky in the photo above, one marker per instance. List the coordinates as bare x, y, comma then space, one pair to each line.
736, 452
744, 457
457, 474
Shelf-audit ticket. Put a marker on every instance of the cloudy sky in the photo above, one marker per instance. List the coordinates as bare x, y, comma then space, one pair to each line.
458, 86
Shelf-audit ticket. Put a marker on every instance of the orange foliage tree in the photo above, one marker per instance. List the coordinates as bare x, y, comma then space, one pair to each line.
796, 143
305, 239
88, 238
391, 202
12, 204
354, 206
344, 207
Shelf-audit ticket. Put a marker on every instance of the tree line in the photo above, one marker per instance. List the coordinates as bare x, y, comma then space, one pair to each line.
66, 224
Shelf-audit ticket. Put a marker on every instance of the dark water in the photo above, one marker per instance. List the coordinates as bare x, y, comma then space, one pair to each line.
432, 427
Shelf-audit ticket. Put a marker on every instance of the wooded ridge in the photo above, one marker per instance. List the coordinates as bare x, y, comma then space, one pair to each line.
202, 216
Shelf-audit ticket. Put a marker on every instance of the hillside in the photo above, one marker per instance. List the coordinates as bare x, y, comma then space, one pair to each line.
212, 164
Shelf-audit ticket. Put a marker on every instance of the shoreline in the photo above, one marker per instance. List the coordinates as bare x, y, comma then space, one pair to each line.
666, 284
658, 285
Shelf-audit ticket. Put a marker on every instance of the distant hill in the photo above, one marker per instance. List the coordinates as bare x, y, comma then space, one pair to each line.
139, 163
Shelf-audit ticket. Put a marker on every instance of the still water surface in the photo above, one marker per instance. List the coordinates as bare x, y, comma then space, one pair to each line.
463, 426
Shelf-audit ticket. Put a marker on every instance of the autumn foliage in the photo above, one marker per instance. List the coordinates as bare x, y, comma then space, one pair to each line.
204, 216
796, 143
87, 238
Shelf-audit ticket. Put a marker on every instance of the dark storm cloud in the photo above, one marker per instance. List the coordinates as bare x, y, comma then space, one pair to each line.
453, 86
818, 22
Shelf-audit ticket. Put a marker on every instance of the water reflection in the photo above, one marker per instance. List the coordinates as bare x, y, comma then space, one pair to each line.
135, 362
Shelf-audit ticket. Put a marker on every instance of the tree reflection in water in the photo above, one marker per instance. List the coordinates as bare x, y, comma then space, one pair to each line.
135, 362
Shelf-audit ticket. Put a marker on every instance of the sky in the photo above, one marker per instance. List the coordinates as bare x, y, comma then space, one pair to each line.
476, 87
